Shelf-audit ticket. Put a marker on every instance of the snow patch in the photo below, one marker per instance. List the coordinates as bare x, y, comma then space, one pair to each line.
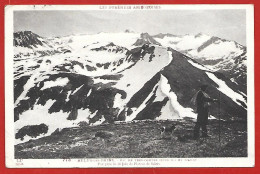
137, 75
118, 101
178, 108
58, 82
54, 121
199, 66
76, 90
228, 50
89, 92
103, 81
226, 90
68, 95
168, 113
185, 42
170, 56
141, 107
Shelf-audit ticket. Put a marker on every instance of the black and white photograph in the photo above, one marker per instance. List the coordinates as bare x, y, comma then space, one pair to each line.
129, 86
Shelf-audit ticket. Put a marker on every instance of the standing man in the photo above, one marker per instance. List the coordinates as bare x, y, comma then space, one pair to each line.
203, 103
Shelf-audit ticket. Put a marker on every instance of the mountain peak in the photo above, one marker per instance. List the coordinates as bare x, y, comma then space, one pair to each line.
111, 44
26, 39
145, 38
145, 35
129, 31
26, 32
199, 34
162, 35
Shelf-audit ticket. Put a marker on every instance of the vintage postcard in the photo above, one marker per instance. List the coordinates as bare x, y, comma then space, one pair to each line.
102, 86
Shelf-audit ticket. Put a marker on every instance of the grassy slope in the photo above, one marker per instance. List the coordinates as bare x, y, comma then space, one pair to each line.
138, 140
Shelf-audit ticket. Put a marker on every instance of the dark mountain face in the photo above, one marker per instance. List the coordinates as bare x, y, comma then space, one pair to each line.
185, 80
237, 73
100, 99
208, 42
183, 83
161, 35
111, 47
145, 38
101, 95
187, 83
220, 55
73, 87
27, 39
214, 40
38, 46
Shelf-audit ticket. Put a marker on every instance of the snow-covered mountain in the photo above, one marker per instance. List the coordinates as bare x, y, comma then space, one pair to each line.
108, 77
145, 38
218, 54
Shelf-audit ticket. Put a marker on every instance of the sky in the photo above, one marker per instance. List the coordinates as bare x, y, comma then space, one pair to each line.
226, 24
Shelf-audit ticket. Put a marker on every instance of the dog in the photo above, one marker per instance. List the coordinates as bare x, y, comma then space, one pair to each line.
167, 130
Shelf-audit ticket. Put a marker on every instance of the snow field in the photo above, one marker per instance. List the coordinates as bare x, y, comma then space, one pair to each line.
142, 72
226, 90
54, 121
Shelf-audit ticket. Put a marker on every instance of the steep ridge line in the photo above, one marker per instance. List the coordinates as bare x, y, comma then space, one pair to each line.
149, 82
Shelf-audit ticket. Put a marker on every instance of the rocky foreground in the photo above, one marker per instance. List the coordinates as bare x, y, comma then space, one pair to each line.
139, 139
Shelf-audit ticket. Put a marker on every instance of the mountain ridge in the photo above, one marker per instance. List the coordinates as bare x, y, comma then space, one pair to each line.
104, 78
